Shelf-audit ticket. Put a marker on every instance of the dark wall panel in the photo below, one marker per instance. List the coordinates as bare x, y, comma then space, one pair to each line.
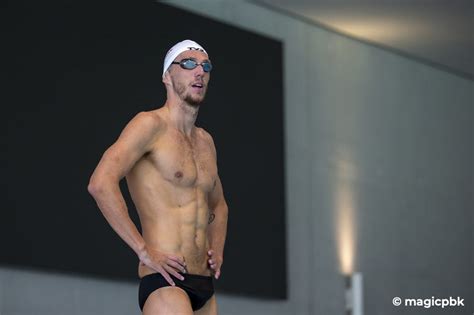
75, 74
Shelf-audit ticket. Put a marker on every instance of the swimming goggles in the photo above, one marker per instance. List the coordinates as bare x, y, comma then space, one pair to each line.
190, 64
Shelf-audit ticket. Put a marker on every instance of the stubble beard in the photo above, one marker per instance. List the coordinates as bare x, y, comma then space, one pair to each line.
193, 101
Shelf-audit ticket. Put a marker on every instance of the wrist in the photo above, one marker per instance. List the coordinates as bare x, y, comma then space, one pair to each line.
142, 252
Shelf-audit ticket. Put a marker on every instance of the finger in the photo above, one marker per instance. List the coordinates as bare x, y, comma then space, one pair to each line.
210, 261
179, 260
173, 272
218, 274
176, 265
167, 277
210, 252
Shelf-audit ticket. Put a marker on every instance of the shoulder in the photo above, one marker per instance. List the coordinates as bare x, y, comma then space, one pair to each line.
142, 130
146, 123
148, 120
206, 136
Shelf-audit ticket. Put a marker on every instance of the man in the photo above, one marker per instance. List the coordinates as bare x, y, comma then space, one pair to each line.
171, 172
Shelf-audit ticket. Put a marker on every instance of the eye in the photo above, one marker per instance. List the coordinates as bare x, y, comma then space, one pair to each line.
189, 63
206, 66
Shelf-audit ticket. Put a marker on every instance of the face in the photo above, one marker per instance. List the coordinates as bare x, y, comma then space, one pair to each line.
190, 85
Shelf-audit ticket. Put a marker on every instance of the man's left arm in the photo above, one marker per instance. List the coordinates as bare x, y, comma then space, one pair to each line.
217, 229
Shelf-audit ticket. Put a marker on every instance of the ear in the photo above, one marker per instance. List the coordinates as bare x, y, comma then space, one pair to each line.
167, 78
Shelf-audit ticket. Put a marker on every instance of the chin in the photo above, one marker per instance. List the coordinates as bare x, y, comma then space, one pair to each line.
194, 101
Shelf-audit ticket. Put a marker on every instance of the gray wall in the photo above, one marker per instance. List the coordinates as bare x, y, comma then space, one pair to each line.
379, 152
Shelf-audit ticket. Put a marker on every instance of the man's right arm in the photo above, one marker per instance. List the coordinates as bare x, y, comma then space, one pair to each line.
136, 139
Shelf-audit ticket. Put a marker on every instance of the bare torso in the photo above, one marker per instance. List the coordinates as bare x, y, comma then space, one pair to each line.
169, 187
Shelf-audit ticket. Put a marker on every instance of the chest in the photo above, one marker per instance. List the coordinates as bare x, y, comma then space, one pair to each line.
185, 162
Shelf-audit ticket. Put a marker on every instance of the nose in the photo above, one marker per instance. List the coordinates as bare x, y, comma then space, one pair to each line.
199, 71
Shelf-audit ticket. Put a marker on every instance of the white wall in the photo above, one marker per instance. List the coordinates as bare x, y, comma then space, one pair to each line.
370, 135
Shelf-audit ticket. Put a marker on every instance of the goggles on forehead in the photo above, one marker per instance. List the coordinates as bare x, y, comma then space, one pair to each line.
190, 64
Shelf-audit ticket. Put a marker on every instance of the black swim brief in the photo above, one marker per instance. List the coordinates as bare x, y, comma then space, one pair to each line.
199, 288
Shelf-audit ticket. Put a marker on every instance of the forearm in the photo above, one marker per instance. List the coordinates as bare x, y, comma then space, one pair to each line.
218, 229
114, 208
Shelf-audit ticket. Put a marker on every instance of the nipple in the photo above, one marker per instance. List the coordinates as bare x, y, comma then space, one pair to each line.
178, 174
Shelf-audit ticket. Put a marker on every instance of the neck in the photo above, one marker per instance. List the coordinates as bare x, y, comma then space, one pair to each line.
182, 115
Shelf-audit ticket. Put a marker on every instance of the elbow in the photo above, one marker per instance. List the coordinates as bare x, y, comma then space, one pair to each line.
96, 186
93, 188
102, 184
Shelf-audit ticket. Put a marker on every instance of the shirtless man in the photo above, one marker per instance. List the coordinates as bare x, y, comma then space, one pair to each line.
171, 172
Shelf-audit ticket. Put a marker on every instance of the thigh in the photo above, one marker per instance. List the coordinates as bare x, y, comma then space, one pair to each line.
168, 300
210, 308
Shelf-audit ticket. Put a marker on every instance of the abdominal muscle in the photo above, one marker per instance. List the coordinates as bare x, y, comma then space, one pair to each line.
174, 219
178, 231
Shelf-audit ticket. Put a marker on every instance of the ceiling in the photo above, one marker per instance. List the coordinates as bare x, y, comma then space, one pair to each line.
437, 32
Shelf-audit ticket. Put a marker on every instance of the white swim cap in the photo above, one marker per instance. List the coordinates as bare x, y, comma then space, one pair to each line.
179, 48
